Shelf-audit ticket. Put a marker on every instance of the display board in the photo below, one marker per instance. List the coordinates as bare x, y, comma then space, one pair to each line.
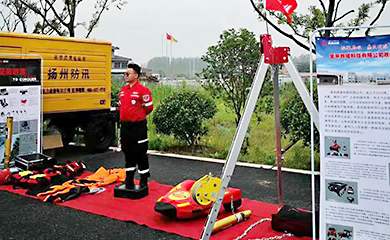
20, 98
354, 110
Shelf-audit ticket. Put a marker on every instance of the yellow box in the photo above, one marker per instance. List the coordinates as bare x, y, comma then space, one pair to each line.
76, 72
52, 141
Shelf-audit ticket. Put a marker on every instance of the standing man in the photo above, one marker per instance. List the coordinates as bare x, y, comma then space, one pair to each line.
135, 103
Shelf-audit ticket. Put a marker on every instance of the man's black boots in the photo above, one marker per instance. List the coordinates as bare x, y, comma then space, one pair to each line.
130, 179
144, 180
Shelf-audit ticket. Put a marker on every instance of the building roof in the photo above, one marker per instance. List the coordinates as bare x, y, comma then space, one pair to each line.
306, 74
146, 70
118, 58
302, 74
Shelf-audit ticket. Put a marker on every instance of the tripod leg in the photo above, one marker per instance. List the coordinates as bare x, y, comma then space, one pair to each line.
236, 145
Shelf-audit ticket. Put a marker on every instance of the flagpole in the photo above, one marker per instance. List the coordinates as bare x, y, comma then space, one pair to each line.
166, 54
162, 53
170, 61
265, 14
193, 67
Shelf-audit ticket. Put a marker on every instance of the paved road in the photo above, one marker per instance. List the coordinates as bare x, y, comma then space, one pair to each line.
26, 218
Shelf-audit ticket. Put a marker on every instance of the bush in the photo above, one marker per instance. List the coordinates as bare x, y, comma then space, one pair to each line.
295, 118
183, 114
116, 85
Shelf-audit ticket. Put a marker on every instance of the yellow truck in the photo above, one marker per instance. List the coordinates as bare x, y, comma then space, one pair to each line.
76, 84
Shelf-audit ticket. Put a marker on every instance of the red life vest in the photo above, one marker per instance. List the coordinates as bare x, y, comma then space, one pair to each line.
27, 179
37, 181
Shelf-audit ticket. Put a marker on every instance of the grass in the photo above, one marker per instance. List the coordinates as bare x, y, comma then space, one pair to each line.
222, 129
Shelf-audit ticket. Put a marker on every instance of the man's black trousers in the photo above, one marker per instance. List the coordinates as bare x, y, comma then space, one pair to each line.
134, 140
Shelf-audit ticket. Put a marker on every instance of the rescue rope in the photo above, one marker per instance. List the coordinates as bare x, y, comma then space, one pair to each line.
265, 238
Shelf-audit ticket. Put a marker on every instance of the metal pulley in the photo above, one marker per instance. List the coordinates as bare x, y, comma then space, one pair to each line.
205, 190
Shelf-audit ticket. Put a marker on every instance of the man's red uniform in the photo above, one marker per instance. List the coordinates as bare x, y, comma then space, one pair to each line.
135, 104
132, 100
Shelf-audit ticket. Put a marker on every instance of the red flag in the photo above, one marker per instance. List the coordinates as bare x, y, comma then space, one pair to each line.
285, 6
169, 37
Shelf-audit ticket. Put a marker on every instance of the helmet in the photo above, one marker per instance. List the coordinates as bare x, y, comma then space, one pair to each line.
5, 176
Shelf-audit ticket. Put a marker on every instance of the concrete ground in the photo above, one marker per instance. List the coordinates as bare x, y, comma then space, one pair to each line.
26, 218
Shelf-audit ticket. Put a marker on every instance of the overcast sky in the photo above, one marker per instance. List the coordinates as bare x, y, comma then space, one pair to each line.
139, 27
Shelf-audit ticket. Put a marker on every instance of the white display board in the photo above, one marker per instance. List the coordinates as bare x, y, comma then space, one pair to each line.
20, 98
354, 111
355, 161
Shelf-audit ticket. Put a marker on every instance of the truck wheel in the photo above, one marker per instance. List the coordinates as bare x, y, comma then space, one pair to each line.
67, 135
99, 134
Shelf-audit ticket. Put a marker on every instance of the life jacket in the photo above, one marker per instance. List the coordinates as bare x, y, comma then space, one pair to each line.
28, 179
71, 169
105, 177
64, 192
74, 188
37, 182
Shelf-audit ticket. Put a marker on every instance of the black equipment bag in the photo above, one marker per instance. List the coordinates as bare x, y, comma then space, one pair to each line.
295, 221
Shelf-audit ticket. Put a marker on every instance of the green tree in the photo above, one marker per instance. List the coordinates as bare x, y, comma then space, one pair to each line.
319, 16
295, 118
232, 64
265, 102
61, 17
116, 86
17, 14
183, 114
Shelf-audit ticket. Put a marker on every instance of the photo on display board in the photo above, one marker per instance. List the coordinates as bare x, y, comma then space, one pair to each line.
28, 143
28, 126
24, 126
338, 232
337, 147
2, 129
341, 191
14, 147
330, 79
360, 60
3, 92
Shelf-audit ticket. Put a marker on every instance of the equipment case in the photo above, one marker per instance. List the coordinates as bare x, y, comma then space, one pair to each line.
34, 161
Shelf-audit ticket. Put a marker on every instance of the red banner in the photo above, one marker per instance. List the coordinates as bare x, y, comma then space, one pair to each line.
285, 6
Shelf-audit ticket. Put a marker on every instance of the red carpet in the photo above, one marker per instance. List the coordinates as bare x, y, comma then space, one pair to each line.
142, 212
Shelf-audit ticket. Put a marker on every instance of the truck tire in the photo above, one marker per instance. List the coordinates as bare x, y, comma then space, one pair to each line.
67, 134
99, 134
